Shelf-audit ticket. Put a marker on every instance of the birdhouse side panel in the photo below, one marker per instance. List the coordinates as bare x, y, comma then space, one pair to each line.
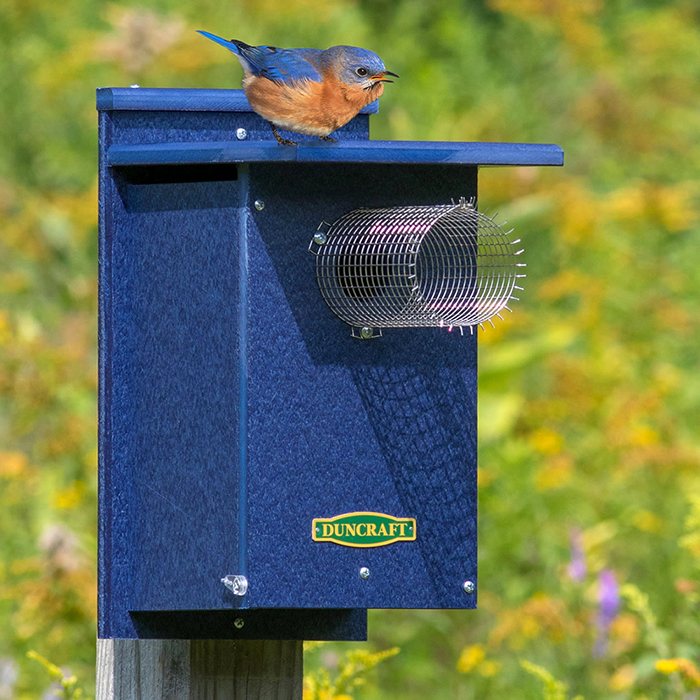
171, 345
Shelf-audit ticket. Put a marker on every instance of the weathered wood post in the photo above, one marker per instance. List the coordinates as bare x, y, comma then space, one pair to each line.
133, 669
267, 475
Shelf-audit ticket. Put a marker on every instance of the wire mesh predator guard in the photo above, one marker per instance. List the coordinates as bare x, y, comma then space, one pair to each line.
442, 265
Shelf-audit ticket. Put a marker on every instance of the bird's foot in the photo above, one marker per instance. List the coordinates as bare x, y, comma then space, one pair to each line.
328, 138
281, 141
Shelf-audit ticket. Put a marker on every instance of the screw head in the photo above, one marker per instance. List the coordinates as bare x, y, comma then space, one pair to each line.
469, 586
241, 134
238, 623
320, 238
259, 204
364, 573
238, 585
366, 332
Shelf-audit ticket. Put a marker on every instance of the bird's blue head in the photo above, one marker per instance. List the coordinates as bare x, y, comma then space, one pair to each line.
358, 67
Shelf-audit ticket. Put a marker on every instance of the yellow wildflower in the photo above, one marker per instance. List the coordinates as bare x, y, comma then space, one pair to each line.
539, 615
684, 666
12, 464
627, 203
484, 477
667, 665
70, 497
5, 330
676, 209
555, 474
530, 627
624, 632
646, 521
471, 657
547, 441
489, 668
644, 435
623, 678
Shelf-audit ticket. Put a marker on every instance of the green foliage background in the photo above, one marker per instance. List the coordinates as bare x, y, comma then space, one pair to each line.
590, 392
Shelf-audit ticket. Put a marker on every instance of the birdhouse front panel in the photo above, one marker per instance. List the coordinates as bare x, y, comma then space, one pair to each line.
266, 470
383, 426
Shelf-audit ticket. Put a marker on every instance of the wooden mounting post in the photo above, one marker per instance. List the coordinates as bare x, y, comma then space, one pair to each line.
135, 669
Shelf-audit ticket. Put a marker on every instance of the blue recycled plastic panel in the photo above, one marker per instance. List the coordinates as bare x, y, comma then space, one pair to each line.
180, 100
235, 407
369, 152
387, 425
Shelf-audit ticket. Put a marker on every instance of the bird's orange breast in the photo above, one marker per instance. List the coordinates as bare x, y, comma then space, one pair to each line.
308, 107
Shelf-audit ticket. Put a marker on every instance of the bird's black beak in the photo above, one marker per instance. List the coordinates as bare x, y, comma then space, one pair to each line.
381, 77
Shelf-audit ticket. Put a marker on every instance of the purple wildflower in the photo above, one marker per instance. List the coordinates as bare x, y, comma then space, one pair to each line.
608, 605
577, 567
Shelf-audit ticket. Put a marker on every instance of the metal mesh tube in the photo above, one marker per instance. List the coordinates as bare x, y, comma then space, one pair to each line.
442, 265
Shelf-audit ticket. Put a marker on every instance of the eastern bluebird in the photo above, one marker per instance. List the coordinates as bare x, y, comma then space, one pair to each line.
309, 91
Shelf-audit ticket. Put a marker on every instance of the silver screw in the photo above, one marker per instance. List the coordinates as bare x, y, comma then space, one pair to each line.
241, 134
364, 573
320, 238
259, 204
238, 585
238, 623
366, 332
469, 587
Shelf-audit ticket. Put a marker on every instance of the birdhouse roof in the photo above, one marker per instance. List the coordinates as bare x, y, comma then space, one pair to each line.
225, 147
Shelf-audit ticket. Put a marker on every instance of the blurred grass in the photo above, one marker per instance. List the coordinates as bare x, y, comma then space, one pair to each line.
589, 392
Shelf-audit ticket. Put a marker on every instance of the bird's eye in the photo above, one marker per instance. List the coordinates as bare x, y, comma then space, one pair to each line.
362, 72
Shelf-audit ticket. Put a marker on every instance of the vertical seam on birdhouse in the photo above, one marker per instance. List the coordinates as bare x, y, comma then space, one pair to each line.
244, 183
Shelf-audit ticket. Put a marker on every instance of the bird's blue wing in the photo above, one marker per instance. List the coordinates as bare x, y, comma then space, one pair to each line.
283, 65
279, 65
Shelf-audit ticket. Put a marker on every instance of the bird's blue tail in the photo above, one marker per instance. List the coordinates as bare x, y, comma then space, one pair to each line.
228, 44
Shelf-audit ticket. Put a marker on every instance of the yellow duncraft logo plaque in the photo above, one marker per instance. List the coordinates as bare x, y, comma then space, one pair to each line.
363, 529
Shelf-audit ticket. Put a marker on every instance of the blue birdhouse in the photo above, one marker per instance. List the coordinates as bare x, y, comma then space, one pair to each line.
288, 369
